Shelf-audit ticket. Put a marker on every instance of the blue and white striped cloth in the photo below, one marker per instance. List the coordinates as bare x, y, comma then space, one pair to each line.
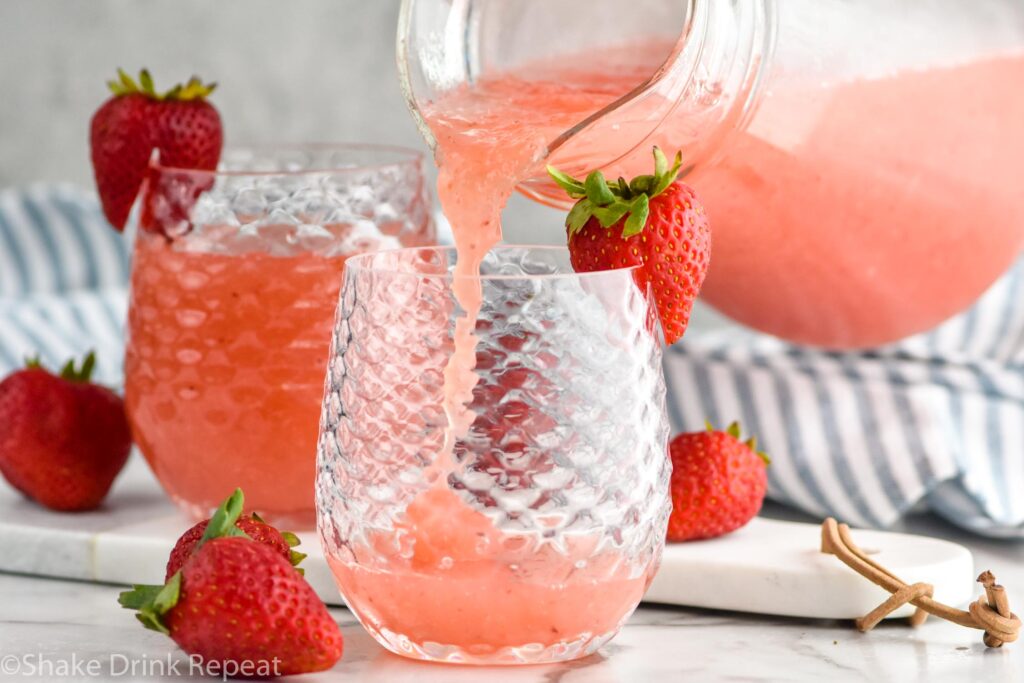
63, 280
936, 420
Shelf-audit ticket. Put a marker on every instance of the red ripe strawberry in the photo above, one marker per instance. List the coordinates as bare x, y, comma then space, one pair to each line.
234, 596
654, 221
718, 483
228, 514
63, 440
180, 124
237, 601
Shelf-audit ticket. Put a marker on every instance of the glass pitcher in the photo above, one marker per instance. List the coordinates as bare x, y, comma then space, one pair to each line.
861, 161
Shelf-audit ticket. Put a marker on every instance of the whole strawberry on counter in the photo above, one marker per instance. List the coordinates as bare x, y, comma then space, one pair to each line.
237, 600
653, 221
718, 483
63, 439
230, 513
180, 124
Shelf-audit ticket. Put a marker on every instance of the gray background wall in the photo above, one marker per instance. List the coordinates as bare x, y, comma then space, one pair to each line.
289, 70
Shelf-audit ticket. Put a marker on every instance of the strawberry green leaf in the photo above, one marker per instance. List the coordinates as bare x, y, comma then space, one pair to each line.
660, 163
146, 81
153, 602
642, 184
565, 181
222, 523
152, 622
138, 596
613, 202
190, 88
664, 180
638, 213
70, 373
168, 595
87, 367
597, 190
733, 430
751, 443
126, 81
579, 215
194, 89
293, 555
610, 215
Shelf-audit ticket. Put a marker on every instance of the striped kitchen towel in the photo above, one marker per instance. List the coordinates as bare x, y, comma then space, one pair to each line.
63, 279
936, 420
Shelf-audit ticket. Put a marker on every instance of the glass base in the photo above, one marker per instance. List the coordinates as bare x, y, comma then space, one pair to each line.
533, 653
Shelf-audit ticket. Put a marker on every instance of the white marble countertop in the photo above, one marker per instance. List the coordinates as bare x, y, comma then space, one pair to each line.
47, 622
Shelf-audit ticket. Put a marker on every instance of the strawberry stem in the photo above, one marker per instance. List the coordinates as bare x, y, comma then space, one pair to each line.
611, 202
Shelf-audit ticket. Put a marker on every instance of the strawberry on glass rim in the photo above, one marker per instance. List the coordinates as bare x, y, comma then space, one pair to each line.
179, 124
653, 221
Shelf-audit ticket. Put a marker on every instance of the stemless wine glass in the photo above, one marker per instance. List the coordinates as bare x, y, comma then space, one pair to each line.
235, 279
534, 536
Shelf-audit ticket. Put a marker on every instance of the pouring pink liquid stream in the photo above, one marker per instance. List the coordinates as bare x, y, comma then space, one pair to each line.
459, 586
493, 137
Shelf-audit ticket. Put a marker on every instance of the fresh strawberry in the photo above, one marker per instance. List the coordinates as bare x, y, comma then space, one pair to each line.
180, 124
63, 439
236, 599
718, 483
655, 222
218, 525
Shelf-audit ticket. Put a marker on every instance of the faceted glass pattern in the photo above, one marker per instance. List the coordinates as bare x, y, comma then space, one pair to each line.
235, 279
537, 536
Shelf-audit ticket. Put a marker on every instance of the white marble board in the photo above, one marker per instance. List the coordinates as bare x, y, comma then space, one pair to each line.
769, 566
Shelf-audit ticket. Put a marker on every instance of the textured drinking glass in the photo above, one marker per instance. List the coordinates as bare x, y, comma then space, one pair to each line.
235, 279
534, 538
